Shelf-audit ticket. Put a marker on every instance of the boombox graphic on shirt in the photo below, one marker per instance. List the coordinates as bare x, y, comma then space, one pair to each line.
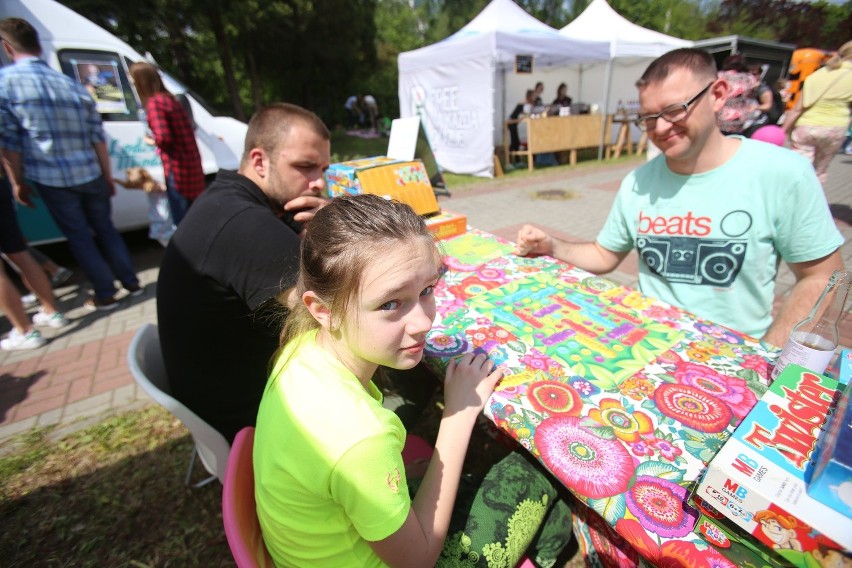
690, 260
693, 249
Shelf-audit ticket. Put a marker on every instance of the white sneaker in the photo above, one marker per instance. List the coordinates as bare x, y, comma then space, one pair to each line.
29, 300
18, 341
55, 320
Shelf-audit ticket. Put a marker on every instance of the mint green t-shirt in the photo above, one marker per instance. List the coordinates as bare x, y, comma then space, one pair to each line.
711, 243
328, 464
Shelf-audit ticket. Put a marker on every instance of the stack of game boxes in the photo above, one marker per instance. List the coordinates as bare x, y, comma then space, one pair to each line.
405, 181
764, 499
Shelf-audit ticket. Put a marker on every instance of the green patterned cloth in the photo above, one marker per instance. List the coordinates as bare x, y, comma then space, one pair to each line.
514, 511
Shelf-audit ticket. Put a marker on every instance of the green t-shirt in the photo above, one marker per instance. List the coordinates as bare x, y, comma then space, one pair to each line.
711, 243
328, 463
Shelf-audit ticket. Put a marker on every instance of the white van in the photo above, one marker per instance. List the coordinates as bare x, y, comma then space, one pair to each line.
75, 45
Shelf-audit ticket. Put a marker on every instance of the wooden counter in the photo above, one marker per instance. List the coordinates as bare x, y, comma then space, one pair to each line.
559, 133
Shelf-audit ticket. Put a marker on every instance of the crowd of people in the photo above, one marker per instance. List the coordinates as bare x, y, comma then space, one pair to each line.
278, 308
52, 143
817, 126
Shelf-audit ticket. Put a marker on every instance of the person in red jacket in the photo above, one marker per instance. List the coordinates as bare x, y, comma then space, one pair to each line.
172, 132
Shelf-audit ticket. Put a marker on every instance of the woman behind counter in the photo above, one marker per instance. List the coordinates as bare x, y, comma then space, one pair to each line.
562, 99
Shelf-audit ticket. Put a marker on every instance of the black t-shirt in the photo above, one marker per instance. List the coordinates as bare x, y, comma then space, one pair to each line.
218, 319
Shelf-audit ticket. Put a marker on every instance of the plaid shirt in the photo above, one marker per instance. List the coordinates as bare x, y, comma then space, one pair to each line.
51, 121
175, 138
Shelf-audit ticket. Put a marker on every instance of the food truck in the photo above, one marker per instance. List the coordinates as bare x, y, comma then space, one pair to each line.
88, 53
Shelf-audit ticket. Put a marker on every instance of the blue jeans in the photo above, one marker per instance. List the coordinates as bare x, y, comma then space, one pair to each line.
84, 215
177, 202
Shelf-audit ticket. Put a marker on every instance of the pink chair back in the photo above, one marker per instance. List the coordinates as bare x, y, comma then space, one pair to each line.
239, 514
416, 448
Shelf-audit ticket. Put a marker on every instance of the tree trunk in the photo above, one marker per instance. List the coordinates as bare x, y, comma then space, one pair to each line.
227, 63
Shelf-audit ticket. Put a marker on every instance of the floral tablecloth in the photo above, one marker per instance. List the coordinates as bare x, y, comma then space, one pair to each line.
623, 397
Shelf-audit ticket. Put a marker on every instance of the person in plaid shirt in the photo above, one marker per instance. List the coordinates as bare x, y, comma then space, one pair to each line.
173, 134
51, 137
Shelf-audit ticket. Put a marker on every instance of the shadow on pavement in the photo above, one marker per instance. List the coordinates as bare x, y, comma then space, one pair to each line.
14, 390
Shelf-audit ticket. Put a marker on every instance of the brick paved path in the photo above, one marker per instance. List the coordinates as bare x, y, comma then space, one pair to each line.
81, 374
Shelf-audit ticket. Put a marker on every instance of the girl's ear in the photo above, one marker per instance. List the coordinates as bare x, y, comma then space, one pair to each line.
318, 309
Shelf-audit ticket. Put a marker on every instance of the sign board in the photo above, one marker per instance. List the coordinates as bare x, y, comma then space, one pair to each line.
523, 64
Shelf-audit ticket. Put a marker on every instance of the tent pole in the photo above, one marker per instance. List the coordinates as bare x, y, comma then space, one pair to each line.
608, 85
580, 84
497, 75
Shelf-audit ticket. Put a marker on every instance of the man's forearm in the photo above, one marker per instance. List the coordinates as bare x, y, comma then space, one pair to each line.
103, 159
795, 307
13, 163
589, 256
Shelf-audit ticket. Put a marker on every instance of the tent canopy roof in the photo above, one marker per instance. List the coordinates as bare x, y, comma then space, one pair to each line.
600, 22
503, 30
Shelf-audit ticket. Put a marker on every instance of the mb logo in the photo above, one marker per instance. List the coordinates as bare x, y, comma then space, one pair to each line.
745, 465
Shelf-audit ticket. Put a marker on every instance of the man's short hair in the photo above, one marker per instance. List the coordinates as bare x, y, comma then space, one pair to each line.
21, 35
698, 61
271, 124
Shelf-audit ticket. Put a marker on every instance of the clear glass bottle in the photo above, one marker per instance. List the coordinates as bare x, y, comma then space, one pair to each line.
813, 340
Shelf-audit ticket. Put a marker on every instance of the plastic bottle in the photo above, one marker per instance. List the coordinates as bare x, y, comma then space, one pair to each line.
813, 340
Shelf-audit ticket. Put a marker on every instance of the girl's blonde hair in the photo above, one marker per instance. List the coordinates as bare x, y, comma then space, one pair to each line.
342, 239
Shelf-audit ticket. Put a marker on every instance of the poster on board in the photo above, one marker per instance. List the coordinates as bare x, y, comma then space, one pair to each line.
103, 82
523, 63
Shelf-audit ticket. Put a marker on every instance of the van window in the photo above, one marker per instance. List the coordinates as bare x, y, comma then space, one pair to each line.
105, 77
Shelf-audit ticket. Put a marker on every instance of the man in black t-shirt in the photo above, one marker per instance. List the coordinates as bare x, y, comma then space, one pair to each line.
232, 255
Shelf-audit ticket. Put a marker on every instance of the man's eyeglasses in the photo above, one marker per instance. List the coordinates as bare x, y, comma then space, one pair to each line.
673, 113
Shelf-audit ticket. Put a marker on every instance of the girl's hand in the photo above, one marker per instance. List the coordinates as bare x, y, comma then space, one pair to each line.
469, 382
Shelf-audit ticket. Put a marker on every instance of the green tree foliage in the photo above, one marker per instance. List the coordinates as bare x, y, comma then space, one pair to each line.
805, 24
240, 55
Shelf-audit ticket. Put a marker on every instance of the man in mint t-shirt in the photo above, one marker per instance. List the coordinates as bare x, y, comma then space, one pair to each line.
713, 216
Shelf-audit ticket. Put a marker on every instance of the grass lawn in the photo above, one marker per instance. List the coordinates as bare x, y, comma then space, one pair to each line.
113, 495
345, 147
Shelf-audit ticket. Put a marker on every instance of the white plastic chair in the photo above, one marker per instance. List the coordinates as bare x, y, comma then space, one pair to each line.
146, 364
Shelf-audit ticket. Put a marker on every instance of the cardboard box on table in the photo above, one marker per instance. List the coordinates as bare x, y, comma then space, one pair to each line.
831, 482
732, 542
757, 480
405, 181
447, 224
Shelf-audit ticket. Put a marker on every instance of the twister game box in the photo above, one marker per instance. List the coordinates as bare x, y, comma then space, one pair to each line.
757, 480
402, 180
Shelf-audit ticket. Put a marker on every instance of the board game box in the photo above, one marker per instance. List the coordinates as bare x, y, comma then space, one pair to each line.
447, 224
732, 542
831, 482
405, 181
757, 480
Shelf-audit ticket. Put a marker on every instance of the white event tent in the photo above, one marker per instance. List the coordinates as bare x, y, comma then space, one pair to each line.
631, 49
457, 86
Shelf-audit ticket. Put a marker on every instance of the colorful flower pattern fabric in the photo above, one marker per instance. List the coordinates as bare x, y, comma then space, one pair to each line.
624, 398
